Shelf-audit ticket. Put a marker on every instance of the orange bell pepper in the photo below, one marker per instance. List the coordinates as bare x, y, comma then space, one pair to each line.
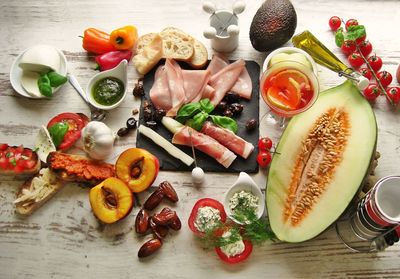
97, 41
124, 37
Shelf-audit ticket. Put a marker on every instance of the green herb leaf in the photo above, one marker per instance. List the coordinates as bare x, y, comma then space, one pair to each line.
198, 120
56, 79
187, 111
339, 37
206, 105
9, 154
355, 32
44, 86
57, 132
225, 122
213, 237
13, 162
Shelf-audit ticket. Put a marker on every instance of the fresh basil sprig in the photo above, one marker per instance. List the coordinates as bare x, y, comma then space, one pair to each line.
57, 132
195, 114
353, 33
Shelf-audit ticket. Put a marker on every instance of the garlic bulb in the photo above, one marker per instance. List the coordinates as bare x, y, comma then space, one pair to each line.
97, 140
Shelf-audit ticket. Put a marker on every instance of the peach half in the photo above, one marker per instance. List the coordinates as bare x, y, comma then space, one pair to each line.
111, 200
138, 168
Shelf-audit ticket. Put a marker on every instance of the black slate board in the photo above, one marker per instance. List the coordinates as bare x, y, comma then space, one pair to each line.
169, 163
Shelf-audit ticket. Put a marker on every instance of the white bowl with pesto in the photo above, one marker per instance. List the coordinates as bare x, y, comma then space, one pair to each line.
287, 54
244, 188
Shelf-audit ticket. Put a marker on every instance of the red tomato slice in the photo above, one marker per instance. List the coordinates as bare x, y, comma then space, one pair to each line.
248, 248
3, 162
202, 203
3, 146
75, 121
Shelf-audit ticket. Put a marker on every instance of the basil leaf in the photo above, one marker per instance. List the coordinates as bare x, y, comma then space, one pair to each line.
198, 120
57, 132
225, 122
56, 79
355, 32
339, 37
206, 105
187, 111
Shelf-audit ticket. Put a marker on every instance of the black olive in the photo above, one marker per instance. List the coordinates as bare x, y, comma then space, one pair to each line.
221, 106
151, 124
231, 97
228, 113
131, 123
236, 108
138, 90
251, 124
147, 114
159, 114
123, 132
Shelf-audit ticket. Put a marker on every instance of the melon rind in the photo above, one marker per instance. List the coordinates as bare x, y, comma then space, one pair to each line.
347, 177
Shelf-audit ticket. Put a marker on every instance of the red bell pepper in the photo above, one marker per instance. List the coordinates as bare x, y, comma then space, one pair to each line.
111, 59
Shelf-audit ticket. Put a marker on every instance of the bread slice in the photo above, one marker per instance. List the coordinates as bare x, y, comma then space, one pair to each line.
177, 45
143, 41
36, 191
149, 55
200, 53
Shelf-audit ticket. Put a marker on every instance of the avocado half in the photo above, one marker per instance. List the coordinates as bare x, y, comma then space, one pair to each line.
320, 163
273, 25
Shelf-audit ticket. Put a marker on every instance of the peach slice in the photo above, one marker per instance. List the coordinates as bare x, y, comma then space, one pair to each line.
138, 168
111, 200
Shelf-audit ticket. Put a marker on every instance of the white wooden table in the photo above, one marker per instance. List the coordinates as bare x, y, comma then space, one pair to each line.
64, 240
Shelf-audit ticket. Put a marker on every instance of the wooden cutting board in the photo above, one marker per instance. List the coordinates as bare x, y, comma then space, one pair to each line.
251, 110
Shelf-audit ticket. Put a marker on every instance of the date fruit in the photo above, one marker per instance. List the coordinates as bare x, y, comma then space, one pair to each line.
154, 200
169, 191
175, 224
165, 217
149, 247
142, 222
159, 231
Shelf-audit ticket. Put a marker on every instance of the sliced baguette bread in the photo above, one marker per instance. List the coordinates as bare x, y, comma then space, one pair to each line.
177, 45
36, 191
144, 41
149, 55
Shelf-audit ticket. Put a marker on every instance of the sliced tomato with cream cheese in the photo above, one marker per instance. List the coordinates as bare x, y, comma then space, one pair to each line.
75, 121
195, 211
248, 248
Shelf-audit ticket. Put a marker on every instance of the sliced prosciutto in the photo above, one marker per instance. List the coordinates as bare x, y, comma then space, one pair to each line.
224, 80
217, 63
228, 139
188, 136
159, 92
175, 86
194, 84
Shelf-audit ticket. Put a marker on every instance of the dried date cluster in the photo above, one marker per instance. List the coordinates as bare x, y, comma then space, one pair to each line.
151, 115
158, 223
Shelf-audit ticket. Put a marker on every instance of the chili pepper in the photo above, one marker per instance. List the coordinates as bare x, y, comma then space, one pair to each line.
56, 79
124, 37
45, 86
111, 59
97, 41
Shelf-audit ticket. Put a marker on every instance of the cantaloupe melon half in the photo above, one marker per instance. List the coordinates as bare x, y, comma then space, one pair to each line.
320, 163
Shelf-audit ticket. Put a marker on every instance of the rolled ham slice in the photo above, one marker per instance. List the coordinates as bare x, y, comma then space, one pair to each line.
194, 83
217, 63
205, 144
228, 139
175, 86
224, 80
159, 92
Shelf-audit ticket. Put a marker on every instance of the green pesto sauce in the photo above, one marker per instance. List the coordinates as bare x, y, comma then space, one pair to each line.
108, 91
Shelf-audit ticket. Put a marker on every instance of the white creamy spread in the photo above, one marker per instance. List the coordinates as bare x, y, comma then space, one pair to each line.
207, 218
244, 199
40, 187
232, 249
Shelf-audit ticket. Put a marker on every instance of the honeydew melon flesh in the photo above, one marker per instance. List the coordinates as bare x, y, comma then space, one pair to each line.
320, 162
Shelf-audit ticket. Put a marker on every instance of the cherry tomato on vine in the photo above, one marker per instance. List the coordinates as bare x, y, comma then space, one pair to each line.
264, 158
372, 92
366, 73
351, 22
355, 60
375, 62
393, 93
385, 78
348, 47
360, 40
365, 48
264, 144
334, 23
